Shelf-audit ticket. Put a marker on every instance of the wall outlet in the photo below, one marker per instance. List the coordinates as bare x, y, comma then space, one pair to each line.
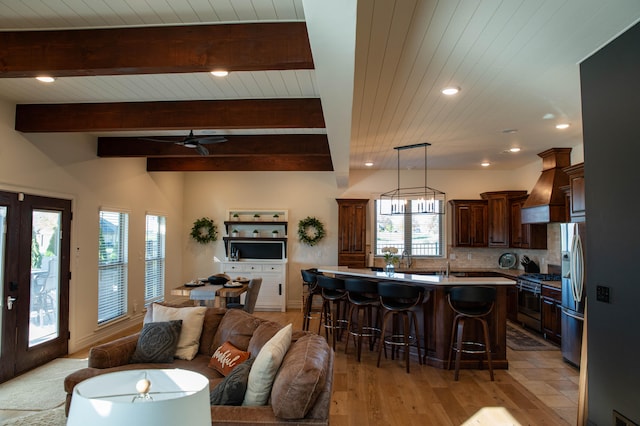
452, 256
469, 256
602, 293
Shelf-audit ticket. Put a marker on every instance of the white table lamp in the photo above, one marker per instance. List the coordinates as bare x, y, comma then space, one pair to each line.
142, 397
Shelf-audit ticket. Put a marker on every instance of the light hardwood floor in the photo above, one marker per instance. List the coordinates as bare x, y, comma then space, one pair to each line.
538, 389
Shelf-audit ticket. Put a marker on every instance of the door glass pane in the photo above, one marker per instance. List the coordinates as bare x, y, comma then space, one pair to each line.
3, 236
45, 265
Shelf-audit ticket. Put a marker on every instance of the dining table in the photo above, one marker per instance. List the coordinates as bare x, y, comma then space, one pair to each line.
209, 294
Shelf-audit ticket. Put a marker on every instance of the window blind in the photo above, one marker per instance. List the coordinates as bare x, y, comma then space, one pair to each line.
113, 258
154, 259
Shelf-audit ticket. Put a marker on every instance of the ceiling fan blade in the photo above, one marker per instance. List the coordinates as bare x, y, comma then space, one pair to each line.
202, 150
211, 139
159, 140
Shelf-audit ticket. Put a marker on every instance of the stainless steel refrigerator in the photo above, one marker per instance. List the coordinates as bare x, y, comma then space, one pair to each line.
573, 240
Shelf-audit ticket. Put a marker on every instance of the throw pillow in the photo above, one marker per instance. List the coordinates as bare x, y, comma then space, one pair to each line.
192, 319
227, 357
231, 390
157, 342
265, 367
296, 388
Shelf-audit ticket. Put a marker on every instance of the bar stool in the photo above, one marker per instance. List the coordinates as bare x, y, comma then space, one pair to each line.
474, 303
309, 279
363, 298
398, 301
333, 295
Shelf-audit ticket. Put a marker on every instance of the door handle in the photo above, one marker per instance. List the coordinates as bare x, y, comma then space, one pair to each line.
10, 301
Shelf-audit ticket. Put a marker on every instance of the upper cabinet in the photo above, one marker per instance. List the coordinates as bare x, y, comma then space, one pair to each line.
352, 228
469, 223
576, 192
495, 221
499, 216
528, 235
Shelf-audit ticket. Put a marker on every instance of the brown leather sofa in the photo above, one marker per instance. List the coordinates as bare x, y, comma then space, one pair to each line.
301, 393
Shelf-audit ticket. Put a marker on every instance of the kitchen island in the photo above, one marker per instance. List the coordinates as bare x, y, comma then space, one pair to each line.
435, 330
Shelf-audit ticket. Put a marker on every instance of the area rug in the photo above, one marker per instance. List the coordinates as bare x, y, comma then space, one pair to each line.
39, 389
53, 417
520, 339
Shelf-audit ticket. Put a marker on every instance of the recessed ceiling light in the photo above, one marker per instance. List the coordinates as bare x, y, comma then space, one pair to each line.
485, 164
562, 126
368, 164
220, 73
509, 131
514, 149
46, 79
450, 91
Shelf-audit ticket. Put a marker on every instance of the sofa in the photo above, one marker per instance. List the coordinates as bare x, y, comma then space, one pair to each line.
300, 392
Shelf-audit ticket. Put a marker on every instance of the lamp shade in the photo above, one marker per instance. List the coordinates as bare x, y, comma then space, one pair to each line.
174, 397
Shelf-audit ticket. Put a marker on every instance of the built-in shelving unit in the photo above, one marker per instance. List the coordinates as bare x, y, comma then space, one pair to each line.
265, 221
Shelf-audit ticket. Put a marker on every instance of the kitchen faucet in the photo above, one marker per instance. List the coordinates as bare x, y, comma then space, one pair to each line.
407, 259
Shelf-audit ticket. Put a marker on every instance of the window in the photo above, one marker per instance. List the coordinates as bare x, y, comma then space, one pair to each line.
417, 234
154, 259
112, 265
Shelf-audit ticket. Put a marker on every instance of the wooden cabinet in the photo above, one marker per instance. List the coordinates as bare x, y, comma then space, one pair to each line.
274, 278
551, 313
576, 192
499, 216
469, 223
352, 228
512, 303
527, 236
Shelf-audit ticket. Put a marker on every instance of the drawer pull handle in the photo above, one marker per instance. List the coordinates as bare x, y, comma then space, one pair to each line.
280, 289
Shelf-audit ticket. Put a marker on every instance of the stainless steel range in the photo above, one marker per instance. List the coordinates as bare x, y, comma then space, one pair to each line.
529, 302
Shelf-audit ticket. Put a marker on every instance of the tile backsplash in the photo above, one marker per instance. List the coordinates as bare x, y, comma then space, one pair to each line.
481, 258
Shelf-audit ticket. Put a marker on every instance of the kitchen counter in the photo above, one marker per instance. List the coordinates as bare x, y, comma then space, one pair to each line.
435, 330
415, 277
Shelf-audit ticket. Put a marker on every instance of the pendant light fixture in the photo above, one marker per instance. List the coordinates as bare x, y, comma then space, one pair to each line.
413, 200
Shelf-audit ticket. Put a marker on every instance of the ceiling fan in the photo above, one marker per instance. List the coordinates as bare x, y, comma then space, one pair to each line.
193, 141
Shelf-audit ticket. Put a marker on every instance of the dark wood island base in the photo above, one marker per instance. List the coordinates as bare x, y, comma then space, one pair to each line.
438, 316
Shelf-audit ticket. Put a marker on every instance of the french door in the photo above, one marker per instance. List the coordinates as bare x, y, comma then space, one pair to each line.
34, 273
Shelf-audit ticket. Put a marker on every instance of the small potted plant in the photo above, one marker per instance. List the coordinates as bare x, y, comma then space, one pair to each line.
236, 217
274, 233
256, 217
235, 233
256, 234
276, 217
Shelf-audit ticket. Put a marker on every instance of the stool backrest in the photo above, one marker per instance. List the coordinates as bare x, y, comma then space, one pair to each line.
309, 276
391, 292
472, 300
357, 285
330, 283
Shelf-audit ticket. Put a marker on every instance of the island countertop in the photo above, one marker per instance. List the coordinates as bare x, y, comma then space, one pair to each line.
418, 279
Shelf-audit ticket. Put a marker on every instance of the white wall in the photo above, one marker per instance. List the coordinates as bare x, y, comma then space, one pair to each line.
66, 166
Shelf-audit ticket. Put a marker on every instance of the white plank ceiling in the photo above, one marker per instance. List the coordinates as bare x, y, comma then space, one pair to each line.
516, 61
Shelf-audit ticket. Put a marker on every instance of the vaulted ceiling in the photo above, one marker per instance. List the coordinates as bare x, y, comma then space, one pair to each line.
313, 85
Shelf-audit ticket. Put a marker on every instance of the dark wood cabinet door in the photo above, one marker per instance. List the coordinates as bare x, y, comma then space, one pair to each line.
352, 227
469, 219
498, 220
530, 236
576, 193
551, 314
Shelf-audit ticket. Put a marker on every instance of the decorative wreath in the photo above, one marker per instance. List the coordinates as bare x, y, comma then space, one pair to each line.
204, 231
310, 231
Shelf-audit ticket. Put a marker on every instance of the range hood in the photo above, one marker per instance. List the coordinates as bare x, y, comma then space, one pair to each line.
547, 202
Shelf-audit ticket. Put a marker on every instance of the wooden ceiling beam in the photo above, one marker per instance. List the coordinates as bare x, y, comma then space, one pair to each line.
239, 164
171, 115
236, 145
155, 50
